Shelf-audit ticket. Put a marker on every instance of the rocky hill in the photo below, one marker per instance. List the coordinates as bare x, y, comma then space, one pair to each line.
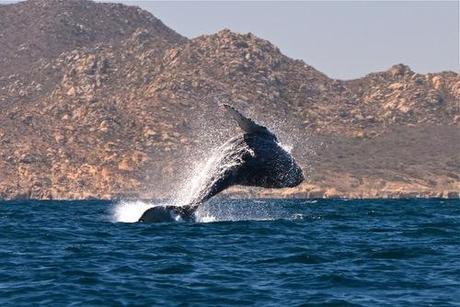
36, 29
104, 101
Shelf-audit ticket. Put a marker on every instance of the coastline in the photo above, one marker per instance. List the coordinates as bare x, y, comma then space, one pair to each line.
237, 192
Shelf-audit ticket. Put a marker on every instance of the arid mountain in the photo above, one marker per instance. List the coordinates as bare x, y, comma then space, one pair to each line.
43, 29
103, 100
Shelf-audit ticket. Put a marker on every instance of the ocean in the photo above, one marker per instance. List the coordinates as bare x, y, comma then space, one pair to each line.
240, 252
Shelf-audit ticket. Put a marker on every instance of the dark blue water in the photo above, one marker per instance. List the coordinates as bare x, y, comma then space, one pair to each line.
361, 253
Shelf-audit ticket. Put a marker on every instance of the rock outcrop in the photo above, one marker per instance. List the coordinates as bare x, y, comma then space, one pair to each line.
104, 101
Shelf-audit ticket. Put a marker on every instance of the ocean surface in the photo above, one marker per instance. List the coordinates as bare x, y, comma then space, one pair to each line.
241, 252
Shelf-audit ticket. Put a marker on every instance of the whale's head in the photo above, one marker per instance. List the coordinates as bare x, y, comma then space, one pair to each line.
292, 175
269, 165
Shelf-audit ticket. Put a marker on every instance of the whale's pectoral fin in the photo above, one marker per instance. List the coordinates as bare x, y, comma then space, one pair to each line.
248, 125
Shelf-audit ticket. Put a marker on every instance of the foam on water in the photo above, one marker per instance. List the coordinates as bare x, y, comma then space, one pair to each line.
222, 210
217, 211
206, 218
130, 211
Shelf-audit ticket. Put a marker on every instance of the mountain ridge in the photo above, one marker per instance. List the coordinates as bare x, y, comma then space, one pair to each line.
124, 115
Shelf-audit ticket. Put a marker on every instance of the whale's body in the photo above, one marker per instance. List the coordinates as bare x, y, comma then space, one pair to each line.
252, 159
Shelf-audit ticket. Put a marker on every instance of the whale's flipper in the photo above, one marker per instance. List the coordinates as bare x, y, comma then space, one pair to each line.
248, 125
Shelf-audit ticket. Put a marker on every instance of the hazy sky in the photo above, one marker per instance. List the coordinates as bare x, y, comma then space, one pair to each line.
344, 39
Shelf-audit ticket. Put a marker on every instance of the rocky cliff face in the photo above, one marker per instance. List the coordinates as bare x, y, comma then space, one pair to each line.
103, 100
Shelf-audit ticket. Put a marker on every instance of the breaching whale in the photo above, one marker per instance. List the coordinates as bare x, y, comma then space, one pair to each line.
253, 158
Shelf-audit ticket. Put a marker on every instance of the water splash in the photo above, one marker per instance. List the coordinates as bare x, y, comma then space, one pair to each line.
197, 185
201, 176
207, 173
222, 210
130, 211
288, 148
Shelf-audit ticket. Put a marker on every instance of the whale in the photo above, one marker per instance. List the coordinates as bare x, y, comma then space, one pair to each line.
254, 157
